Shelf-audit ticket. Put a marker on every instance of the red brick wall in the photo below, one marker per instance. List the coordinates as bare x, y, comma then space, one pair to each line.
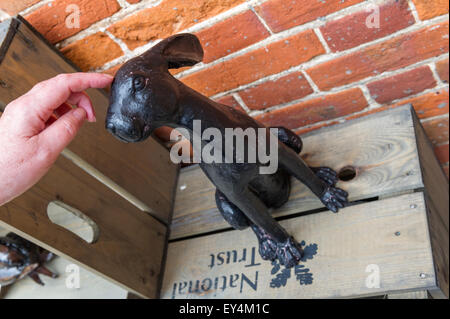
303, 64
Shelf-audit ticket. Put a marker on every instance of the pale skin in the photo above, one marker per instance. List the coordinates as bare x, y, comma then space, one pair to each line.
36, 127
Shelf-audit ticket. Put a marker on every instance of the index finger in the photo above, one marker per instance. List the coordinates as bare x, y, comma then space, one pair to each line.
47, 96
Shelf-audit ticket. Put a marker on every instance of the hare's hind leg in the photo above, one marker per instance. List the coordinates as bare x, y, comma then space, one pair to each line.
274, 241
230, 212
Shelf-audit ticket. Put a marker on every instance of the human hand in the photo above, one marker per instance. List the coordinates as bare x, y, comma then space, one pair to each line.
36, 127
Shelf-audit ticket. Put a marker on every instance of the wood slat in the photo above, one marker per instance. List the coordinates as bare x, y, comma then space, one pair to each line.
143, 169
388, 235
437, 195
420, 294
130, 247
381, 147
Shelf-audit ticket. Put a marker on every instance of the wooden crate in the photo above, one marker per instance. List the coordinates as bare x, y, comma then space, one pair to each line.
392, 239
126, 189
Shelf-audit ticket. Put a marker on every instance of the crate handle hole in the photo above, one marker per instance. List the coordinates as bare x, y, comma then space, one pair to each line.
73, 220
347, 173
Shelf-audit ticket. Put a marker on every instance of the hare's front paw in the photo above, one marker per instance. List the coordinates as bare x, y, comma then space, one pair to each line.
267, 245
289, 253
326, 174
268, 248
334, 198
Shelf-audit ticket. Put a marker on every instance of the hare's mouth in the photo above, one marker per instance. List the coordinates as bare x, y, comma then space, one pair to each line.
130, 135
124, 130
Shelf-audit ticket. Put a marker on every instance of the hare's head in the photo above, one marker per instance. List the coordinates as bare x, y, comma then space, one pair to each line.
144, 95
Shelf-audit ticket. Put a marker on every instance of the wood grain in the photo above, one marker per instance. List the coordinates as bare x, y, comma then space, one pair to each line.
391, 234
437, 200
381, 147
144, 169
131, 243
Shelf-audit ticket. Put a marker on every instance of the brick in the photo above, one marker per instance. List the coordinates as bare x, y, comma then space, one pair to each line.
50, 19
112, 71
430, 104
441, 152
230, 101
93, 51
428, 9
165, 19
352, 30
231, 35
389, 55
256, 64
316, 110
314, 127
15, 6
402, 85
437, 130
285, 89
442, 69
282, 14
426, 105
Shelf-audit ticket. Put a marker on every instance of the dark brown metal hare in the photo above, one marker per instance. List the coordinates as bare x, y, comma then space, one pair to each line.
145, 96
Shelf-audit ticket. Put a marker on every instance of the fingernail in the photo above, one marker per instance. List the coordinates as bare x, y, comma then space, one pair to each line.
79, 113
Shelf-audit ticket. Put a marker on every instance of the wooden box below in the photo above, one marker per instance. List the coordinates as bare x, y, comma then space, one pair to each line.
125, 189
392, 238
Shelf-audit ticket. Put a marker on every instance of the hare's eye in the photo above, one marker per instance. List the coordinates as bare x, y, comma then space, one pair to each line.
139, 83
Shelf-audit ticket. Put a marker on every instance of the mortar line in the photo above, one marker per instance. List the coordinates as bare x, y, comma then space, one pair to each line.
318, 59
295, 30
371, 103
103, 24
119, 42
241, 102
440, 144
4, 15
436, 117
229, 13
123, 3
432, 66
277, 37
369, 108
132, 9
310, 81
414, 12
338, 88
34, 7
219, 17
322, 40
263, 22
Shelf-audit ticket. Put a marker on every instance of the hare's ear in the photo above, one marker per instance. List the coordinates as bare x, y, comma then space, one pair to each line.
179, 50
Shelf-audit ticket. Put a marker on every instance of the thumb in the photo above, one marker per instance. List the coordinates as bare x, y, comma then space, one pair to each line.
59, 134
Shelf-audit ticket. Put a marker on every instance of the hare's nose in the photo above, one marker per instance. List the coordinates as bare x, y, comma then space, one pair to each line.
124, 129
